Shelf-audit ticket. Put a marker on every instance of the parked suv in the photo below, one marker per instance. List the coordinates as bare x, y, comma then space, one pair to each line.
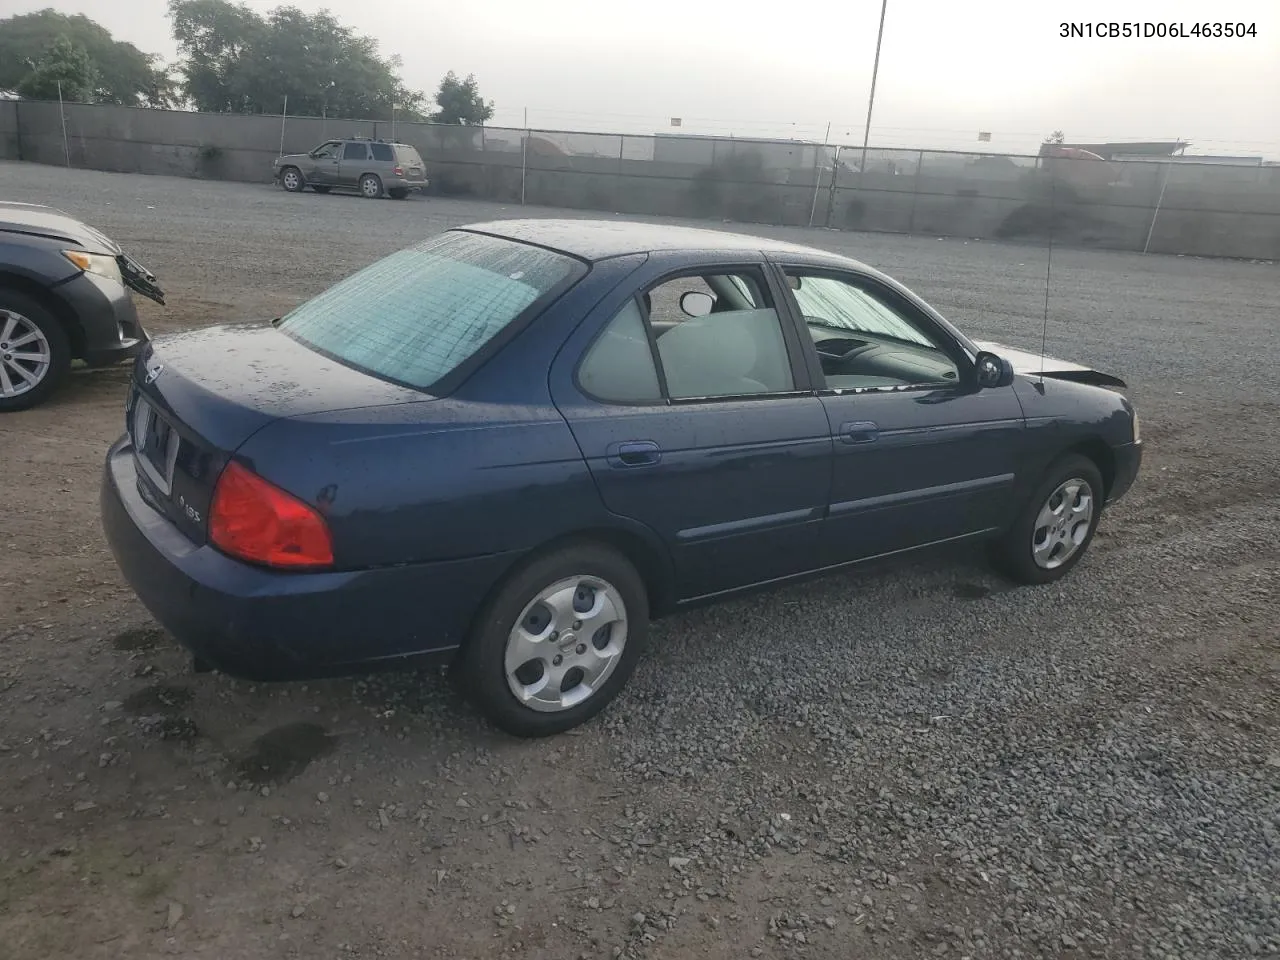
373, 167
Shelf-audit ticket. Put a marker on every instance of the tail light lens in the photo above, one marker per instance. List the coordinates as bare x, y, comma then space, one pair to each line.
398, 171
253, 520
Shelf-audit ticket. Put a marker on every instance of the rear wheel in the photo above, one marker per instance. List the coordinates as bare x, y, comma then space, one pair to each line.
320, 189
558, 642
34, 353
1055, 528
370, 187
291, 179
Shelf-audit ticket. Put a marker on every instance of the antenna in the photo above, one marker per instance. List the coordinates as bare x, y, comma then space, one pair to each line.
1048, 266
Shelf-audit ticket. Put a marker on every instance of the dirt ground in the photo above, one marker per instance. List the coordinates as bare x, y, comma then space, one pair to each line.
904, 762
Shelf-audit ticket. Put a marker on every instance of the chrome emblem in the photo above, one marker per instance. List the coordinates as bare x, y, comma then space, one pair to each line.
153, 373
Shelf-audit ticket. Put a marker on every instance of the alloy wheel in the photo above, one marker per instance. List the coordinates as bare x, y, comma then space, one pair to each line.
25, 354
566, 643
1063, 523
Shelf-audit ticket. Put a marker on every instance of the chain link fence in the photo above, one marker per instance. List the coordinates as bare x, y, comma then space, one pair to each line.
1163, 207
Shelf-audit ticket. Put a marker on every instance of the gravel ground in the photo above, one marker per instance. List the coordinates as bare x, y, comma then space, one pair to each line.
912, 761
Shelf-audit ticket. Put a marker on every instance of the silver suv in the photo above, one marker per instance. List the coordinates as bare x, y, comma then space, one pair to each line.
375, 168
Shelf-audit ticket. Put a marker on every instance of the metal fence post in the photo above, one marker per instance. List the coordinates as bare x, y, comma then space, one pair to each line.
835, 184
819, 155
915, 193
62, 112
1156, 212
284, 113
524, 154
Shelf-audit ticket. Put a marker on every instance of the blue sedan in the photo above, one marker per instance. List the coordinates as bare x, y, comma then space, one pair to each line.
517, 443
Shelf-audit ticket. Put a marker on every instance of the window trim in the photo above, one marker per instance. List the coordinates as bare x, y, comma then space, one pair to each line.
662, 400
966, 381
801, 375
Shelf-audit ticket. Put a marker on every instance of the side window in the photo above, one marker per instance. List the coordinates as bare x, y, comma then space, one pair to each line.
355, 151
864, 339
619, 367
382, 151
718, 336
327, 151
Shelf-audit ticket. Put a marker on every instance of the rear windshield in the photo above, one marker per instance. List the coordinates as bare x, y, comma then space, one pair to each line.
417, 315
406, 154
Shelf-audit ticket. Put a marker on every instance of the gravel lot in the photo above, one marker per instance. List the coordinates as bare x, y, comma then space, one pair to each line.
909, 762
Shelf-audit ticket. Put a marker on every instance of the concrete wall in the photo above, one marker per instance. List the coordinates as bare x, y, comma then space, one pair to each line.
9, 130
1203, 209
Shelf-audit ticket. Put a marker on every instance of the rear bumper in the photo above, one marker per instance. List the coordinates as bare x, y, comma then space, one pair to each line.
108, 319
1128, 460
263, 625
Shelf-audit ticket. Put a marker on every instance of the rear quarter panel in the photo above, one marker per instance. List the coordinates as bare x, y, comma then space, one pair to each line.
491, 469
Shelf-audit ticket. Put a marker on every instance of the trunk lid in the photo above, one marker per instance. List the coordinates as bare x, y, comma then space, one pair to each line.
196, 397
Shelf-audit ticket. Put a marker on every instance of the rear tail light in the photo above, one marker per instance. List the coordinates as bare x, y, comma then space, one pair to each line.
253, 520
398, 171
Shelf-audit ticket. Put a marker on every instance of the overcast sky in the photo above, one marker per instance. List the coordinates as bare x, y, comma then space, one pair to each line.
948, 69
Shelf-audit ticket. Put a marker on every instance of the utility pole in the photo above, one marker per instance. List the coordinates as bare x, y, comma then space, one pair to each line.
875, 69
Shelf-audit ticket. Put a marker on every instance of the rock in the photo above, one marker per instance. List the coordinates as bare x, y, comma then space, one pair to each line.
677, 863
174, 916
638, 919
830, 923
322, 797
298, 911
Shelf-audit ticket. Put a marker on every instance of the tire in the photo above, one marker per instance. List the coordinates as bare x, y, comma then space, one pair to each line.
291, 179
399, 193
1016, 553
322, 189
33, 343
493, 666
371, 187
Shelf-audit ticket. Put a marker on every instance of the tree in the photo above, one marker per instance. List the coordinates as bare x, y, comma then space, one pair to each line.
64, 71
236, 61
1057, 137
122, 73
460, 101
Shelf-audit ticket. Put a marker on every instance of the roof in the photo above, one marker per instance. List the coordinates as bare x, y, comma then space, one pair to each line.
601, 239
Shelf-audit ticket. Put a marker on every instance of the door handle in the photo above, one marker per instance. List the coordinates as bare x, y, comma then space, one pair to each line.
859, 431
634, 453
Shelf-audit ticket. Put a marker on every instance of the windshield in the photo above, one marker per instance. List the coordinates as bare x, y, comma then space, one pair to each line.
417, 315
843, 306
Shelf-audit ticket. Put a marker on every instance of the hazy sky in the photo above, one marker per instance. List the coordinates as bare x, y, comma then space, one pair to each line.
948, 68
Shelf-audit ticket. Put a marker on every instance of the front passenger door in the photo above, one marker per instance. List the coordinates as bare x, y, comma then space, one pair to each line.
323, 165
921, 454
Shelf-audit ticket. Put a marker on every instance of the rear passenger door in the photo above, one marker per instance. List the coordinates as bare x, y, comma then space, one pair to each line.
355, 161
689, 399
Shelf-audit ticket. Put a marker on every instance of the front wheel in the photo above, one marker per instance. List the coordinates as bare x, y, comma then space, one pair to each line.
1055, 528
370, 187
558, 641
291, 179
34, 353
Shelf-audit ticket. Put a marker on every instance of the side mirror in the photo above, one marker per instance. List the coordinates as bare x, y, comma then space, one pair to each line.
993, 371
695, 303
793, 282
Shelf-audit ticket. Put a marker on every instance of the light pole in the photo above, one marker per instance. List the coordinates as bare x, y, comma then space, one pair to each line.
875, 69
